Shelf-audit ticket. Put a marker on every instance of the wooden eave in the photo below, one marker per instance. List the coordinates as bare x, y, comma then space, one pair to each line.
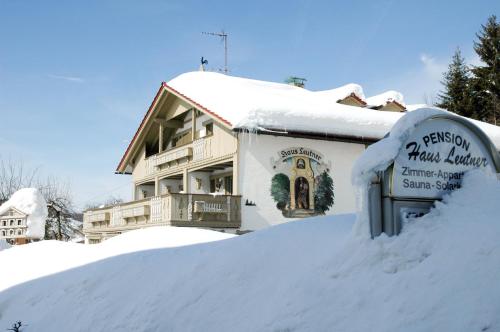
148, 118
354, 96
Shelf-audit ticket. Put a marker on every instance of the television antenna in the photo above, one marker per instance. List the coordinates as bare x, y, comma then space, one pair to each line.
223, 37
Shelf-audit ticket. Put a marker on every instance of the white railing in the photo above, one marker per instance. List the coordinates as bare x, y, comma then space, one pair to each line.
156, 209
100, 216
150, 165
202, 148
173, 209
168, 156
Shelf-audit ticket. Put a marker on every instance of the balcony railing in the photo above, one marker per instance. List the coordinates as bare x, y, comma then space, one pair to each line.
197, 150
188, 210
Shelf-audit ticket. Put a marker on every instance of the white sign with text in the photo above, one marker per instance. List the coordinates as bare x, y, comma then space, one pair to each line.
433, 160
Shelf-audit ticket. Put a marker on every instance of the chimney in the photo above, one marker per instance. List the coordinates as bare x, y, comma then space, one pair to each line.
296, 81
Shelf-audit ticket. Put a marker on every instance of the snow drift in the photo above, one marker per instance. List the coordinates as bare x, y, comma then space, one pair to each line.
31, 202
440, 274
48, 257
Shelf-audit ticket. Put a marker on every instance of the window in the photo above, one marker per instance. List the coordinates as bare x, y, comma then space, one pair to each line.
181, 139
19, 232
209, 129
4, 233
11, 232
12, 222
5, 222
228, 184
19, 222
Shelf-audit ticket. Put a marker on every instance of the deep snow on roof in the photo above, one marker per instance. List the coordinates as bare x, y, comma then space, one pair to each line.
252, 104
385, 98
342, 92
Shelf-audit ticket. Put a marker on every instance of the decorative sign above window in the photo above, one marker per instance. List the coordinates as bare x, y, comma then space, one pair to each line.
435, 157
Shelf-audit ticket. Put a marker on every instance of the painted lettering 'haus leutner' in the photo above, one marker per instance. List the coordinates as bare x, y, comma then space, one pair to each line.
234, 154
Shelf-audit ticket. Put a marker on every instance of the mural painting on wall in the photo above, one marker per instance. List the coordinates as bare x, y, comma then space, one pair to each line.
302, 185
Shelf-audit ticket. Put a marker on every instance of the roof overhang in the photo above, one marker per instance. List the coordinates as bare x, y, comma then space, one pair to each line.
309, 135
163, 91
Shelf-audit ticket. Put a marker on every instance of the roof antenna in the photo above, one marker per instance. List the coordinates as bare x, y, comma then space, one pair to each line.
203, 63
223, 36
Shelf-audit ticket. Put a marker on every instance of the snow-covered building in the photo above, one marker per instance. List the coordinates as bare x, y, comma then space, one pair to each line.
22, 217
13, 226
235, 154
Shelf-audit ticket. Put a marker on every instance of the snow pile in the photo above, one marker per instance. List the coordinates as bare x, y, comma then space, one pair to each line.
413, 107
252, 104
440, 274
31, 202
334, 95
380, 155
43, 258
385, 98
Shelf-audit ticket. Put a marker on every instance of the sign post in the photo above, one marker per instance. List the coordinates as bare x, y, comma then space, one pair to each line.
431, 162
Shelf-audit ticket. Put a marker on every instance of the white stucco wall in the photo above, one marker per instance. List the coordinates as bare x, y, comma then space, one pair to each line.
256, 171
172, 183
205, 182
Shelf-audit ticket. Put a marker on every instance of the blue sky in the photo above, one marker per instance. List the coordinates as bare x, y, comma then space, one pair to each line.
76, 77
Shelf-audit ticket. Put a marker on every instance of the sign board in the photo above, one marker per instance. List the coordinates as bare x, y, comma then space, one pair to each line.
431, 162
435, 157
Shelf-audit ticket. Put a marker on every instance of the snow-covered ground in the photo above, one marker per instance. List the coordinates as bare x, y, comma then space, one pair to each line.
43, 258
440, 274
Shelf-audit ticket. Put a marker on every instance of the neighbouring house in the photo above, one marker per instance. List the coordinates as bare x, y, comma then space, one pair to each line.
13, 226
236, 155
22, 217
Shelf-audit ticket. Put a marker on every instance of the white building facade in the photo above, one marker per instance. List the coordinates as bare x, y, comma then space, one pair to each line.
237, 155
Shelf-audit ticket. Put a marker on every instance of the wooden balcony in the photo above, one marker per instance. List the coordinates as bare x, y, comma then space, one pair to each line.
197, 150
186, 210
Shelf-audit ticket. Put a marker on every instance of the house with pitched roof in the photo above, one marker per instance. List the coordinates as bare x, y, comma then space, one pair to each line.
236, 155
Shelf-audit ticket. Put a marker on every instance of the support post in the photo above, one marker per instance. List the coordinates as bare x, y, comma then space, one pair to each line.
160, 138
157, 186
193, 124
185, 181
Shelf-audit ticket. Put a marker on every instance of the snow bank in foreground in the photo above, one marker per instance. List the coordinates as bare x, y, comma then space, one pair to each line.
39, 259
31, 202
440, 274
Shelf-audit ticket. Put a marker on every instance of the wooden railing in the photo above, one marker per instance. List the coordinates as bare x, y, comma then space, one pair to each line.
188, 210
199, 149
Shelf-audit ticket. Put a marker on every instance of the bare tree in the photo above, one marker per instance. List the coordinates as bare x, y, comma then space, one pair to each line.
14, 176
110, 201
60, 223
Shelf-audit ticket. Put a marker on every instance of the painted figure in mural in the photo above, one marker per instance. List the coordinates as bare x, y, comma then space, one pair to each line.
303, 194
301, 164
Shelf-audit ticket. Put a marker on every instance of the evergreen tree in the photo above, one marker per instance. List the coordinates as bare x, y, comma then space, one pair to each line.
456, 95
323, 197
280, 190
486, 81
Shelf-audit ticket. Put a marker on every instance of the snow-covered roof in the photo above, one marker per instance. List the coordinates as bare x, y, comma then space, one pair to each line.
30, 202
248, 104
385, 98
252, 104
340, 93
